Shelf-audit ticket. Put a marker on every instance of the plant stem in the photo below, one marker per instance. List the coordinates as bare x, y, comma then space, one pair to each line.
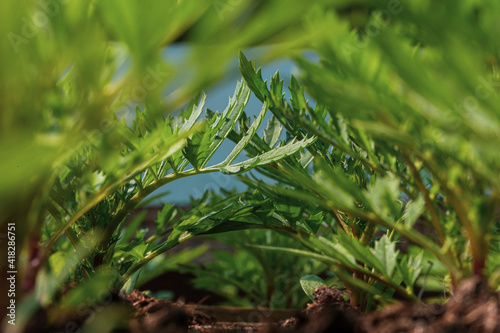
367, 235
460, 207
143, 193
428, 202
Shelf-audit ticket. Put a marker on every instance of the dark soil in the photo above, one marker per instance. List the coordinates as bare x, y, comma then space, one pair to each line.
161, 315
473, 308
328, 313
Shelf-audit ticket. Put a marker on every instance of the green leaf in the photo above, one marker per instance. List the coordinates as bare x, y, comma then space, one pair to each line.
334, 249
230, 116
336, 186
270, 156
383, 196
200, 223
361, 253
131, 283
277, 89
253, 78
196, 111
166, 215
137, 249
410, 268
413, 211
197, 150
246, 138
272, 132
309, 283
385, 251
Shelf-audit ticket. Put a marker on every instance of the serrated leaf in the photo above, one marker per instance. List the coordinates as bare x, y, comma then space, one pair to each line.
197, 149
410, 268
134, 248
270, 156
272, 132
361, 252
385, 251
230, 115
246, 138
297, 98
195, 113
382, 197
309, 283
277, 88
253, 78
165, 215
413, 211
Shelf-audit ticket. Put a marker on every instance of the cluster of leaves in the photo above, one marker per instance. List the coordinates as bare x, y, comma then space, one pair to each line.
252, 276
85, 236
403, 136
59, 98
71, 173
397, 152
91, 199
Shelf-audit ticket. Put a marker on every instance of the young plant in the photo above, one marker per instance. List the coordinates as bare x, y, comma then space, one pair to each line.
397, 148
55, 97
94, 194
407, 100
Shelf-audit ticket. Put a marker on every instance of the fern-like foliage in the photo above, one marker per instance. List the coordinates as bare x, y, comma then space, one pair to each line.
95, 192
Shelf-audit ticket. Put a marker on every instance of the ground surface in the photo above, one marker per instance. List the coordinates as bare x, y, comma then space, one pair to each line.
473, 308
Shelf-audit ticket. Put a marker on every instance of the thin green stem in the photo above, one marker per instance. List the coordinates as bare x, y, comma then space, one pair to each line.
160, 235
428, 202
344, 225
143, 193
101, 195
141, 263
367, 235
460, 208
